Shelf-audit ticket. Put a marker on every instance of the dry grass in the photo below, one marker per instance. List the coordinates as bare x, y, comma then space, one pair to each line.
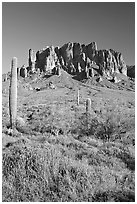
63, 156
73, 165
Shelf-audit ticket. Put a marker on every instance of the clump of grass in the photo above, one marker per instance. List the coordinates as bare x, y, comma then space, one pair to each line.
31, 174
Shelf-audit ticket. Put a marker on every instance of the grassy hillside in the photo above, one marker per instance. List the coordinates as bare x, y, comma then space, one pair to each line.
57, 154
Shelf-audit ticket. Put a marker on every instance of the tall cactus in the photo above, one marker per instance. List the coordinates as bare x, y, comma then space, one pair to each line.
13, 93
58, 71
88, 105
88, 112
25, 72
78, 98
18, 72
86, 73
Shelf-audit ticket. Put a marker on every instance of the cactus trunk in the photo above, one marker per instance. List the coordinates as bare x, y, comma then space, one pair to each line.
78, 98
58, 71
86, 72
88, 112
13, 93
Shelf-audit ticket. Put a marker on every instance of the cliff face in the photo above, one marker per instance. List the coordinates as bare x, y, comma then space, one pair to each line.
76, 57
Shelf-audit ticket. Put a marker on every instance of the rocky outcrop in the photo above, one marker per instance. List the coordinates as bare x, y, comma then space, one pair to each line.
91, 50
32, 59
131, 71
23, 72
76, 58
111, 62
66, 51
46, 59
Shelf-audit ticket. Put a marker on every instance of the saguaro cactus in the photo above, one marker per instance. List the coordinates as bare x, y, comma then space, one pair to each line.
78, 98
25, 72
18, 72
88, 112
13, 93
86, 73
88, 105
58, 71
6, 77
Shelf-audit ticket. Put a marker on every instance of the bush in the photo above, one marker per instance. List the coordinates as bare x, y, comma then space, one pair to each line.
103, 126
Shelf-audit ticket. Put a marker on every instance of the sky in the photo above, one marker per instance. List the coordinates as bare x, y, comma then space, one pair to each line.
36, 25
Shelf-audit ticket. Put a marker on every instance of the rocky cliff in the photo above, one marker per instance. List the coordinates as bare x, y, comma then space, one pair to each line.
76, 58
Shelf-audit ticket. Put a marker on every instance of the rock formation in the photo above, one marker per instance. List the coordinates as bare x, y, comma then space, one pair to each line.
46, 59
32, 59
131, 71
76, 58
23, 71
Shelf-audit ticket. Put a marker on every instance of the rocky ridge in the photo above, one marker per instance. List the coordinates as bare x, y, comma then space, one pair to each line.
76, 58
81, 61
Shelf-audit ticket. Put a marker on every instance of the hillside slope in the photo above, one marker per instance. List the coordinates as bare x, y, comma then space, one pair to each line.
56, 154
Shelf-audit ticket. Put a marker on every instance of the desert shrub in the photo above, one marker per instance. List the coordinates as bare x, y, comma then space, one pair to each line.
105, 125
49, 120
111, 196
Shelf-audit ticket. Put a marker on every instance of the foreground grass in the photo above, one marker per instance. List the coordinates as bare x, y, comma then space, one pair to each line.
63, 158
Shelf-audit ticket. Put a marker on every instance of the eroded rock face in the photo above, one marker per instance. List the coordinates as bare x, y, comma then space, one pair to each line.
23, 72
46, 59
66, 51
111, 61
91, 50
76, 57
32, 59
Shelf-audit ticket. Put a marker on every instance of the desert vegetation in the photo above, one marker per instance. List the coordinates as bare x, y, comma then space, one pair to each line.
74, 143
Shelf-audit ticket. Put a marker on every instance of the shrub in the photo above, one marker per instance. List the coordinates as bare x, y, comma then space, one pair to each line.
103, 126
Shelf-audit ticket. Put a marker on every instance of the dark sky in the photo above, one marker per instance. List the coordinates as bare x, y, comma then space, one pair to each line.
36, 25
